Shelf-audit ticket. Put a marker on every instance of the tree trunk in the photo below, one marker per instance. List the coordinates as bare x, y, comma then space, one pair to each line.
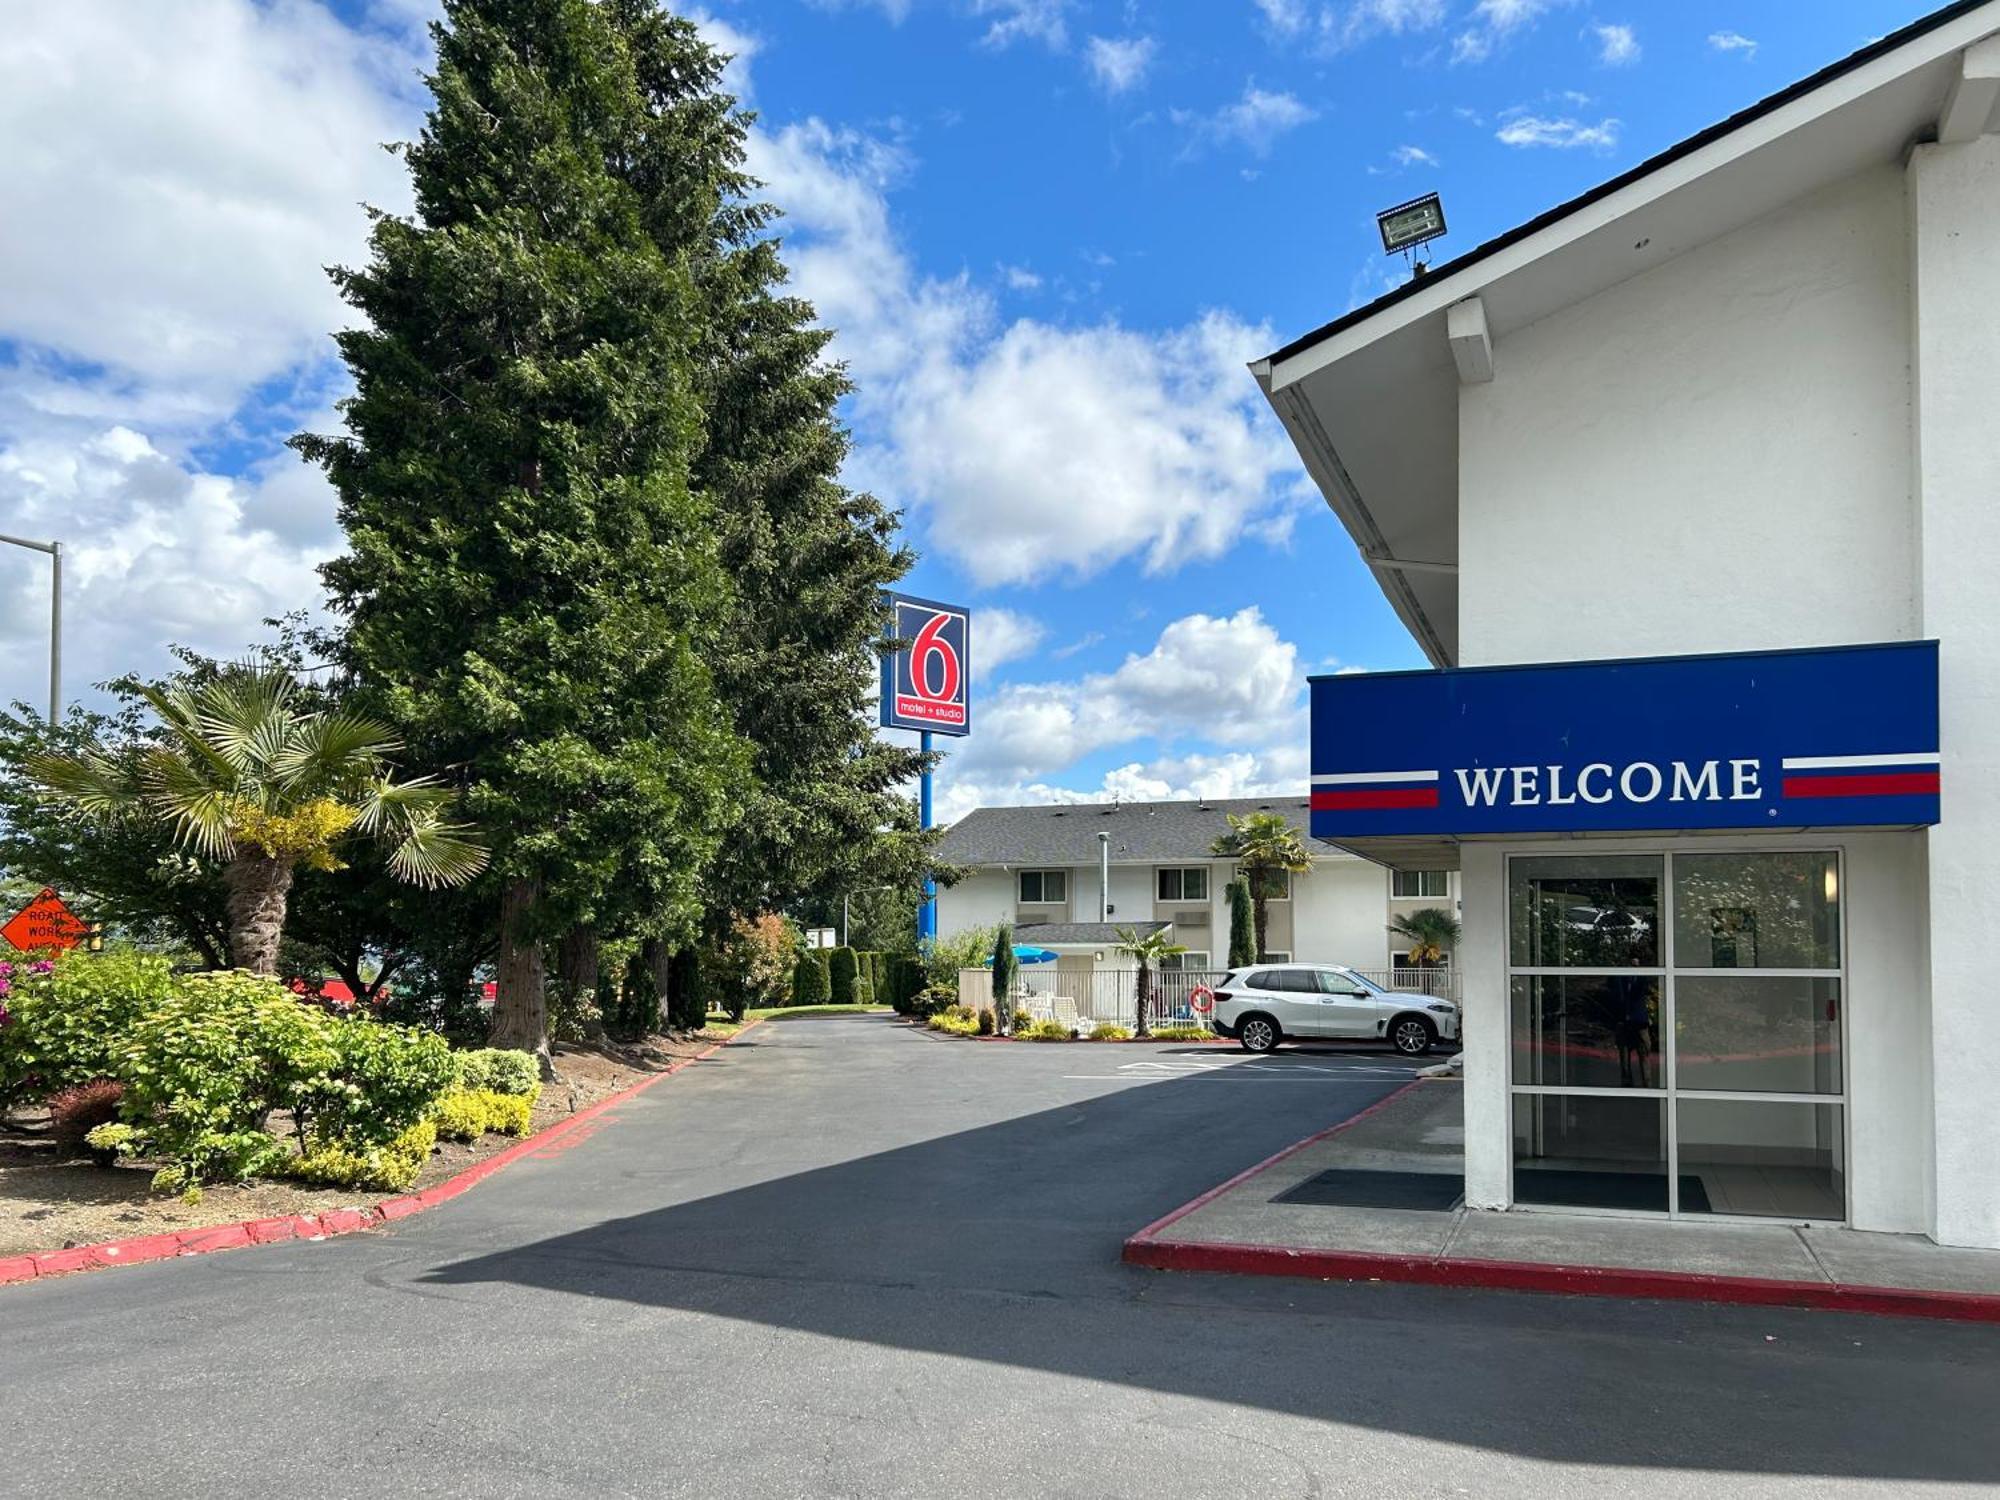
258, 887
577, 968
1258, 911
1145, 998
657, 959
520, 1008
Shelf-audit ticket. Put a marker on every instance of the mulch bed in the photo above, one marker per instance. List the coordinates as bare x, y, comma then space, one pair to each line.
47, 1203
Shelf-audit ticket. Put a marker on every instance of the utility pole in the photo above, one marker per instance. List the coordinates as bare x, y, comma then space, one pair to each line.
54, 550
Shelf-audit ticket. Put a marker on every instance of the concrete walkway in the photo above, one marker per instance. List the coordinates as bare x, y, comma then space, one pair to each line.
1248, 1226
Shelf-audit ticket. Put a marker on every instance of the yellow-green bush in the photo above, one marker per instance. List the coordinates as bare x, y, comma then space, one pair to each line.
1181, 1034
960, 1020
1110, 1033
467, 1114
1042, 1031
388, 1168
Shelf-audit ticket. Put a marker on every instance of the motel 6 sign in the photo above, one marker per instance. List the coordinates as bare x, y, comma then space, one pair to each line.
925, 681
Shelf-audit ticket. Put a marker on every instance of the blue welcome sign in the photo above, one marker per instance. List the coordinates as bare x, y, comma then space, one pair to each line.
1844, 737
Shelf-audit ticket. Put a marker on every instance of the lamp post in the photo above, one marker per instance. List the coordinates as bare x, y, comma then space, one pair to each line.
54, 550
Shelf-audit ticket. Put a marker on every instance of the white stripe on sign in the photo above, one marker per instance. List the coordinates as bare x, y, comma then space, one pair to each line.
1834, 762
1347, 778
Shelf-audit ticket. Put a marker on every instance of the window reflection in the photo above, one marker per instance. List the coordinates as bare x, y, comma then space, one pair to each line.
1590, 1151
1587, 1031
1758, 1034
1586, 913
1757, 911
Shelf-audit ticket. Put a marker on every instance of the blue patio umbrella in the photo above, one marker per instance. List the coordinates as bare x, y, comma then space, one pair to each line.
1023, 954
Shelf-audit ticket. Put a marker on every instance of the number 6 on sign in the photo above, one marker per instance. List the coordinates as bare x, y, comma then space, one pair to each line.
924, 683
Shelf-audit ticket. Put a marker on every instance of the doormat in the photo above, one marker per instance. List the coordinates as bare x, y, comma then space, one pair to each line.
1352, 1187
1635, 1190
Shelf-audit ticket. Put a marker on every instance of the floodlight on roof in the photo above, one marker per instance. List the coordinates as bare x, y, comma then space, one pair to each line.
1411, 224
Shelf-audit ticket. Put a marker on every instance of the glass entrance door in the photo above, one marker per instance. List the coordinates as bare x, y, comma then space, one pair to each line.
1675, 1033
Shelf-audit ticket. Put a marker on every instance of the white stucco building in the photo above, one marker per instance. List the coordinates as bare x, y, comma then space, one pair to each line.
1745, 398
1043, 870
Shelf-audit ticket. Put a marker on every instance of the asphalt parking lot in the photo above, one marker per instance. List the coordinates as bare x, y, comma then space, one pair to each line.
846, 1258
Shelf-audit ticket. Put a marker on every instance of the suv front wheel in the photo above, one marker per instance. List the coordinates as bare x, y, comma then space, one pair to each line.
1412, 1036
1257, 1033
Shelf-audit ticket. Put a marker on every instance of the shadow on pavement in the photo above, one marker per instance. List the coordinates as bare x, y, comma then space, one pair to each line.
1001, 1243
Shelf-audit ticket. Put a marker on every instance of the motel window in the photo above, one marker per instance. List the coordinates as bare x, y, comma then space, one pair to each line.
1409, 885
1044, 887
1188, 884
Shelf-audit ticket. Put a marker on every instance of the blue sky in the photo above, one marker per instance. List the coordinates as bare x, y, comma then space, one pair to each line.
1049, 232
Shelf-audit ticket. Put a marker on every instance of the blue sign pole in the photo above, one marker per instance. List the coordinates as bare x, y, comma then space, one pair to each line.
927, 912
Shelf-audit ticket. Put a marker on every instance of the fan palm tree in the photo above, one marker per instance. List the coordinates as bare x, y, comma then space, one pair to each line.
243, 774
1431, 932
1148, 948
1263, 844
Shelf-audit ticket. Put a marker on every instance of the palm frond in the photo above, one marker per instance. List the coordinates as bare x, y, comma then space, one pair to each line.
386, 805
245, 716
95, 782
182, 717
432, 853
180, 793
332, 750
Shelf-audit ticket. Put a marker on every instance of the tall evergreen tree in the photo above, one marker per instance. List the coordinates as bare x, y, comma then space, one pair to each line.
808, 557
531, 584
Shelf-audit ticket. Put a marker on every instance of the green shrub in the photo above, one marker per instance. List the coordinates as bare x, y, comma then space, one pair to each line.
811, 983
864, 990
1106, 1032
955, 1024
204, 1067
383, 1080
841, 969
500, 1069
932, 999
1181, 1034
65, 1021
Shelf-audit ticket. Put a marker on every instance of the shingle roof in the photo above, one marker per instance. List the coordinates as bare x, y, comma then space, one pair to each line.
1079, 934
1067, 834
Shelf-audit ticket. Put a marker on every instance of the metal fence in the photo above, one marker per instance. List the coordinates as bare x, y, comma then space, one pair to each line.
1111, 996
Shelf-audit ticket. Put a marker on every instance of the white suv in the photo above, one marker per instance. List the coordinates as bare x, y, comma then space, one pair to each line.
1262, 1005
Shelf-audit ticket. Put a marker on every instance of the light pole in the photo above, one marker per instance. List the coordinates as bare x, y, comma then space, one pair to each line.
54, 550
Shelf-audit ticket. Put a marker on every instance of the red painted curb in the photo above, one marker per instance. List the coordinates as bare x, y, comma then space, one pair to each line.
1146, 1249
174, 1243
1584, 1281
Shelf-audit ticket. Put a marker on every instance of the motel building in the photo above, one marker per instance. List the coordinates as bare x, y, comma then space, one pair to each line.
1690, 491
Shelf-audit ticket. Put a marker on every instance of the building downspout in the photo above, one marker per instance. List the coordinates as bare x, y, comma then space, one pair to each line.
1103, 876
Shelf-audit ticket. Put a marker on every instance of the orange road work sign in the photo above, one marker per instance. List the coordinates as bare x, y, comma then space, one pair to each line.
45, 923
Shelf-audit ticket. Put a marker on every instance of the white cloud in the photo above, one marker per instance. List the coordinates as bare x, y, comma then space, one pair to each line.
1003, 635
1119, 64
1732, 41
1020, 279
1471, 47
1564, 133
192, 169
1254, 121
1027, 450
1024, 20
1335, 27
1413, 156
1617, 46
1493, 22
1227, 680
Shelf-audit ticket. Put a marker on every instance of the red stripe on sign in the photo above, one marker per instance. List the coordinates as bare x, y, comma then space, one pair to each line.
1890, 784
1393, 796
